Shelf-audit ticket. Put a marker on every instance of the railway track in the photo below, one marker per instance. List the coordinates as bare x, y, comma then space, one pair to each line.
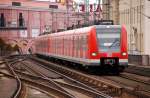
69, 83
141, 85
132, 85
61, 89
61, 82
84, 80
46, 85
17, 93
138, 70
132, 89
12, 73
137, 78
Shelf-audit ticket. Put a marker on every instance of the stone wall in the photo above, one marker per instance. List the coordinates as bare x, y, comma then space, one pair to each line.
139, 59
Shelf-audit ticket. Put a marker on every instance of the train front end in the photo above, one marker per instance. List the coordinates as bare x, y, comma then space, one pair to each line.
111, 47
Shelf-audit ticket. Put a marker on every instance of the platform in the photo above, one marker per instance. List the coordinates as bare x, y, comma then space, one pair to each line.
138, 69
7, 87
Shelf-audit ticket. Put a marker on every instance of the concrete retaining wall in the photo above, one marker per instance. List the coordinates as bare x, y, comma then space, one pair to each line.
139, 59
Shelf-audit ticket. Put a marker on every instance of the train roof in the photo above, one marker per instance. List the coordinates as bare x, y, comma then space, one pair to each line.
107, 26
81, 30
74, 31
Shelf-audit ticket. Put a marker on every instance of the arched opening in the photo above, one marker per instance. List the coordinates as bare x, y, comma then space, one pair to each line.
17, 50
30, 50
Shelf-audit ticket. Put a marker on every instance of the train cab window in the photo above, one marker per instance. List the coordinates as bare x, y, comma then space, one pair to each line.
109, 39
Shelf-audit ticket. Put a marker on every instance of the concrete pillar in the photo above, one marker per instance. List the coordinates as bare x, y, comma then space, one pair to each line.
146, 27
145, 60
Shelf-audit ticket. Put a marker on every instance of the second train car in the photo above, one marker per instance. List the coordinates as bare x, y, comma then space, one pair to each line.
103, 47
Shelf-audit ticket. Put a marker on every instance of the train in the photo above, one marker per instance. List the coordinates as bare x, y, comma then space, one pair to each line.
100, 47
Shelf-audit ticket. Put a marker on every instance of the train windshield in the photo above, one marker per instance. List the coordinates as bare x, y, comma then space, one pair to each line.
109, 39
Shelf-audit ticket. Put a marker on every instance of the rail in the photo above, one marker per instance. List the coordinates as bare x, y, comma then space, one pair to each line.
83, 79
19, 84
49, 80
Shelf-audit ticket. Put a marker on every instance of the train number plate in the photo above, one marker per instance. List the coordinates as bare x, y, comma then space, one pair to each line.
109, 61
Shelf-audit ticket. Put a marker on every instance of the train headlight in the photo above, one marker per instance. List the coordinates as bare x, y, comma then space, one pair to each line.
94, 54
124, 53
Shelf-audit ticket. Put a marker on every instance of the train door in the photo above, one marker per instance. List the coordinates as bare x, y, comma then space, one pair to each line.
42, 45
62, 45
48, 45
59, 45
75, 46
65, 50
85, 45
81, 47
67, 46
70, 46
55, 45
71, 50
78, 46
44, 42
51, 45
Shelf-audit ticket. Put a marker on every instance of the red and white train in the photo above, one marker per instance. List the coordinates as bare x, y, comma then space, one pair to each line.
99, 46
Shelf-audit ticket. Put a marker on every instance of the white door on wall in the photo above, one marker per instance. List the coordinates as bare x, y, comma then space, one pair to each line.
23, 33
35, 32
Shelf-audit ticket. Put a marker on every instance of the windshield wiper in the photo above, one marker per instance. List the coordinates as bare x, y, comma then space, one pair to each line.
116, 40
